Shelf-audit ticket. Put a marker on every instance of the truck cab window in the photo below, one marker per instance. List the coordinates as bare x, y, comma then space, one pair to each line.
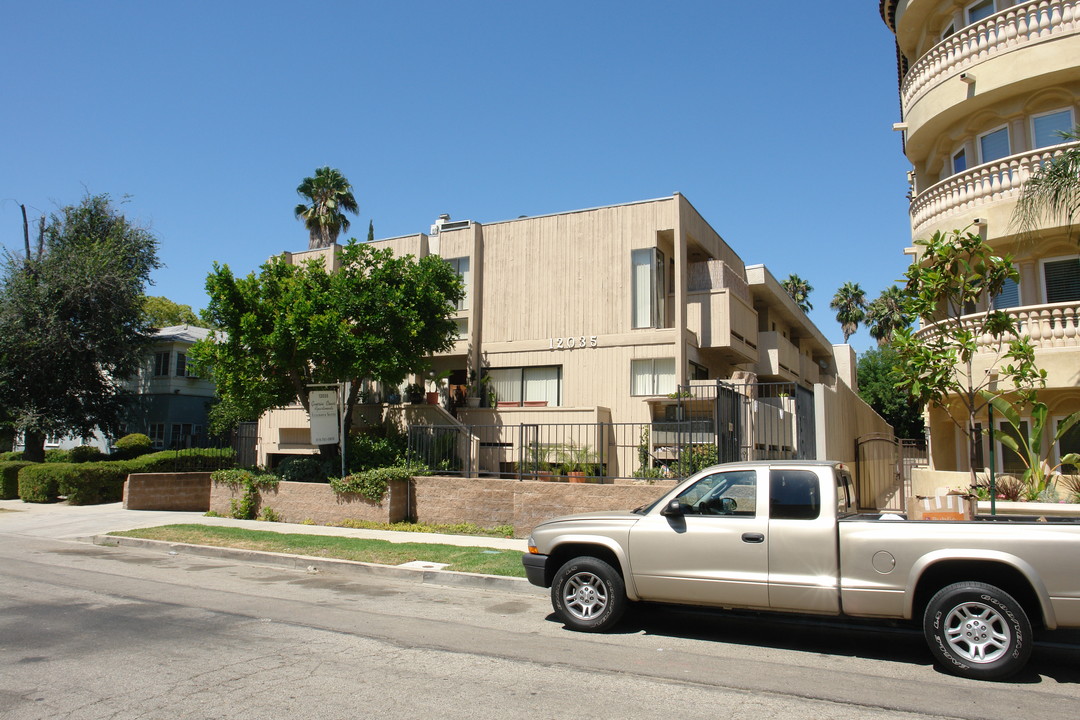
725, 493
793, 495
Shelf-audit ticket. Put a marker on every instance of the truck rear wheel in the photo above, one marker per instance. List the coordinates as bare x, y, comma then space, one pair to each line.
588, 595
977, 631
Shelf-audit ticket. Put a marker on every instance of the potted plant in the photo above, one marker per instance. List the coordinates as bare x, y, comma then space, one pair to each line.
414, 393
475, 389
579, 463
436, 380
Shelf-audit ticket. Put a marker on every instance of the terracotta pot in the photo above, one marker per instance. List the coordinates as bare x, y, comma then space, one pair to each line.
433, 398
576, 476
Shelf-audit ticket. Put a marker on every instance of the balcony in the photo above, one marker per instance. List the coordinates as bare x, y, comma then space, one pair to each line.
1019, 26
720, 312
1049, 326
778, 358
987, 183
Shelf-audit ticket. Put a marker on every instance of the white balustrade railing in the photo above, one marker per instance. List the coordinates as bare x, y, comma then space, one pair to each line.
1020, 25
989, 182
1048, 326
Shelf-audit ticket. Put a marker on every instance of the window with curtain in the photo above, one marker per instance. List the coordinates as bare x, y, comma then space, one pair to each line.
1046, 129
980, 10
994, 145
540, 384
959, 161
652, 376
647, 287
1061, 278
1009, 297
461, 267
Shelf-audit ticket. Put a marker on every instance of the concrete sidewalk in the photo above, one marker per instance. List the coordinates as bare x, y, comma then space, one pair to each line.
91, 523
75, 522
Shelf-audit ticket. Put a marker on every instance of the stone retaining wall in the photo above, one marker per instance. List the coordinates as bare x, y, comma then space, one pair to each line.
486, 502
187, 492
297, 502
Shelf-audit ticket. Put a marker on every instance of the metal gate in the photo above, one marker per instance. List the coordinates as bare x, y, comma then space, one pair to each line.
244, 443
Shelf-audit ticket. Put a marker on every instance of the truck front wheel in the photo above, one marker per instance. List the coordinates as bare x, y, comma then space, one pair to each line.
588, 595
977, 631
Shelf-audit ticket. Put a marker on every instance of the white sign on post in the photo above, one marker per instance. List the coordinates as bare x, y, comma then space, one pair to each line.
324, 417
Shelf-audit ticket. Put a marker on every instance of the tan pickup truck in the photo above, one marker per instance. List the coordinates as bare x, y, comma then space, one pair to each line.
785, 536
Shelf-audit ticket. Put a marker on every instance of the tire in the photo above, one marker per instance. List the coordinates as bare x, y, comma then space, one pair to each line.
978, 631
588, 595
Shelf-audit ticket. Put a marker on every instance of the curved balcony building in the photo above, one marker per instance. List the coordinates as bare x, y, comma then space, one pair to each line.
986, 88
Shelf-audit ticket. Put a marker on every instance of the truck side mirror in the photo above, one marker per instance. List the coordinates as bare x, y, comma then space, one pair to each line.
674, 508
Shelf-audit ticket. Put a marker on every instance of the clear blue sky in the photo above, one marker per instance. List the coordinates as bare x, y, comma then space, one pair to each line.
774, 121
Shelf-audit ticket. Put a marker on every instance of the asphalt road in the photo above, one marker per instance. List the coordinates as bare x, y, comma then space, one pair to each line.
90, 632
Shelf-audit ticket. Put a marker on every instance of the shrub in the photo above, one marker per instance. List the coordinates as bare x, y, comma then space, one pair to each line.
9, 478
376, 448
40, 482
373, 484
85, 453
193, 460
132, 446
94, 483
247, 505
57, 455
10, 456
308, 468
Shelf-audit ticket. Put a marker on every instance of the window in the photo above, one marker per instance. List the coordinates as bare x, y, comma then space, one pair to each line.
1069, 443
157, 434
461, 267
182, 367
161, 364
462, 327
959, 161
647, 288
183, 435
1010, 462
538, 386
652, 376
980, 10
1009, 297
1061, 279
698, 372
794, 495
1046, 129
725, 493
994, 145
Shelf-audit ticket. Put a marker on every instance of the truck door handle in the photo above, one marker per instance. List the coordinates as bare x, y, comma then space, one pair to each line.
753, 537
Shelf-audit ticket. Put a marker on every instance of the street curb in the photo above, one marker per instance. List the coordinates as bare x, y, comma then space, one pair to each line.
314, 564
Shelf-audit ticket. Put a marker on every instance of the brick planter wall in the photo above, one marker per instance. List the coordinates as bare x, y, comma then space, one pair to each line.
297, 502
188, 492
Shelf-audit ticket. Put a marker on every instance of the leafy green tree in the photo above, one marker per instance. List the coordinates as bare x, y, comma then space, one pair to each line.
878, 372
72, 326
330, 197
799, 290
849, 302
378, 317
956, 272
371, 231
162, 312
1053, 190
887, 313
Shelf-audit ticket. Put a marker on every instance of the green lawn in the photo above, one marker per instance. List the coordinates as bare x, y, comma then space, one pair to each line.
487, 561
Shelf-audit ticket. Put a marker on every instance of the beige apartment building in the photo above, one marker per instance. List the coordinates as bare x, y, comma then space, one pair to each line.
597, 317
985, 88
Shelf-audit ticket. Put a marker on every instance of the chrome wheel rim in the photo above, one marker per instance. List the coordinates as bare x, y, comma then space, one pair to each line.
977, 633
585, 596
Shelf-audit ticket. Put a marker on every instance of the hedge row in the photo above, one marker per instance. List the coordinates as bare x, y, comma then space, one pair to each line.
9, 478
103, 482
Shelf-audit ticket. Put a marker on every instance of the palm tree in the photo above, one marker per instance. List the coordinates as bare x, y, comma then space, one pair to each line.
1053, 191
331, 197
849, 302
886, 314
799, 290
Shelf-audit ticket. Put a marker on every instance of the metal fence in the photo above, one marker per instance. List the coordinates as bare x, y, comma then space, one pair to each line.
706, 424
